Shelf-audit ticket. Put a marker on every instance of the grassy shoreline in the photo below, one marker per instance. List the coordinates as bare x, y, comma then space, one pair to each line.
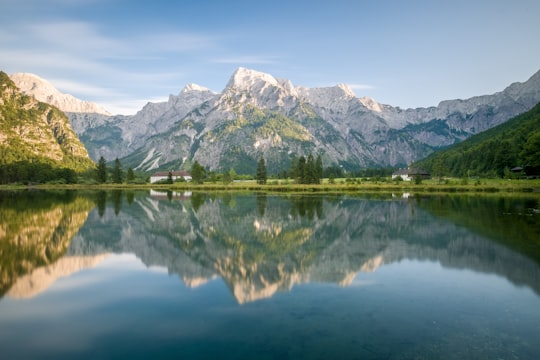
499, 186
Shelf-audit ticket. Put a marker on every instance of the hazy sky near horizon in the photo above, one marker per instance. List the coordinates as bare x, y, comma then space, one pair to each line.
408, 53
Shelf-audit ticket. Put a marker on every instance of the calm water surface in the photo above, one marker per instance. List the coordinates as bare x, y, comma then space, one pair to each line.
97, 275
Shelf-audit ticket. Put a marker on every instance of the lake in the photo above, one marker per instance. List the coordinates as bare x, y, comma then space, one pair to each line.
123, 274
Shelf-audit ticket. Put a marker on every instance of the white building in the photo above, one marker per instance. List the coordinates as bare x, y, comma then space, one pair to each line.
164, 175
410, 173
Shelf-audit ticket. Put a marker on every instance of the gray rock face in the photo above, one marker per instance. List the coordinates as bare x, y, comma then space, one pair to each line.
258, 115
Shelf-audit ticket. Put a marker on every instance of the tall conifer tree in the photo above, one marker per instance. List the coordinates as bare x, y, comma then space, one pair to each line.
261, 176
101, 170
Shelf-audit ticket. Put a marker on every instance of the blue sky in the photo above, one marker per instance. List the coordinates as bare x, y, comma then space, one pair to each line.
124, 53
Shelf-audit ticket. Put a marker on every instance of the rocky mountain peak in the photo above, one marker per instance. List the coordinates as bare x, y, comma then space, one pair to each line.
44, 91
530, 88
198, 124
247, 79
194, 87
346, 90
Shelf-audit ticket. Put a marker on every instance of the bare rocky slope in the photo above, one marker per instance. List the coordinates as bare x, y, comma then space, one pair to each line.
257, 115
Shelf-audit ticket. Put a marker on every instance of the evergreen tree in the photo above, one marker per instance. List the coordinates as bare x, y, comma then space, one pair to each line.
300, 170
101, 172
261, 175
130, 175
169, 178
293, 169
318, 170
117, 175
309, 172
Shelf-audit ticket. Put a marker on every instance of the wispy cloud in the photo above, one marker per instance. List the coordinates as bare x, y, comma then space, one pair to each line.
82, 89
361, 86
75, 37
120, 67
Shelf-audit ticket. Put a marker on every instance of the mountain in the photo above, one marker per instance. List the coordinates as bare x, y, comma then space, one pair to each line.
119, 135
257, 115
36, 231
515, 143
44, 91
36, 132
301, 240
260, 245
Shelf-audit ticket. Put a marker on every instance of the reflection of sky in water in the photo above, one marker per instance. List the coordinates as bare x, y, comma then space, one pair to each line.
408, 308
272, 277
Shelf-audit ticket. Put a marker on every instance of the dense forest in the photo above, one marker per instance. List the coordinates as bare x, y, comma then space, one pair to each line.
513, 145
35, 172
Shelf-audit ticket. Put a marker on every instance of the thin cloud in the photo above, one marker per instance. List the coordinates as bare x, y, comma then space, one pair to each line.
81, 89
361, 86
75, 37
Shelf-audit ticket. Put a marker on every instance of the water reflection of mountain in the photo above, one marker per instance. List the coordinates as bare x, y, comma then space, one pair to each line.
261, 245
36, 228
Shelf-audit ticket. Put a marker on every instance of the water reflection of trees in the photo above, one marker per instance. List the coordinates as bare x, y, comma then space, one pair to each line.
513, 222
307, 206
265, 243
115, 197
36, 228
261, 203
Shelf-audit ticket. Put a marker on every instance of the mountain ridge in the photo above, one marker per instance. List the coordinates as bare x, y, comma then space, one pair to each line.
256, 108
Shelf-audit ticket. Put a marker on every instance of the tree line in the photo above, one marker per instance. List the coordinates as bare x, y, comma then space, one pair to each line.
514, 144
35, 172
303, 170
115, 175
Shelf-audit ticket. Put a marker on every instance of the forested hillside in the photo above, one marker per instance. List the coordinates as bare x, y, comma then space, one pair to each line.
37, 143
515, 143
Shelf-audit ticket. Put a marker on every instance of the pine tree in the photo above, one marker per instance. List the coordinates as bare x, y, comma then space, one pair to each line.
309, 171
130, 175
318, 170
117, 175
101, 172
300, 170
261, 172
293, 169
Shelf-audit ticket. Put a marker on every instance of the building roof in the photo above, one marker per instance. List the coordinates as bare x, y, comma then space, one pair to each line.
173, 173
410, 172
